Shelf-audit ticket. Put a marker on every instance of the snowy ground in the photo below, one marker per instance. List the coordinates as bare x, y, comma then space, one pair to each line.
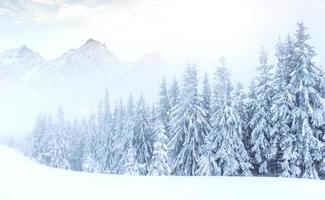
23, 179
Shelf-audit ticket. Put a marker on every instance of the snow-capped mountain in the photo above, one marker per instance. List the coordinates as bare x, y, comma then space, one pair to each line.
93, 59
20, 63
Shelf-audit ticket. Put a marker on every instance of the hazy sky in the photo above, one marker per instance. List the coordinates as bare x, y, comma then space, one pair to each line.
199, 30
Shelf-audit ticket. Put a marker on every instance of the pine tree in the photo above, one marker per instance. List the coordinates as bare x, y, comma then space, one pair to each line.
188, 127
174, 94
38, 139
58, 149
283, 146
206, 95
159, 164
90, 162
120, 139
75, 139
131, 166
250, 111
308, 109
105, 136
141, 137
242, 105
226, 136
174, 98
207, 162
164, 104
261, 123
124, 124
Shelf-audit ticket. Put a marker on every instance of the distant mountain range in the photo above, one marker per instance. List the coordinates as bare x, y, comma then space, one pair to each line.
92, 61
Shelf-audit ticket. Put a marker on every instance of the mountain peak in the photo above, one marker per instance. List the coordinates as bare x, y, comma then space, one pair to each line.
91, 59
24, 49
93, 42
21, 52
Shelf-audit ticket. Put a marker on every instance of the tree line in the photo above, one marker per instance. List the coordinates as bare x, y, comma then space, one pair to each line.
273, 128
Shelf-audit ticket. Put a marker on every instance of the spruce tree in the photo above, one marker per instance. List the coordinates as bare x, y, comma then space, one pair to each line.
188, 127
242, 107
120, 138
124, 127
164, 104
206, 95
131, 166
159, 163
174, 94
58, 149
308, 109
226, 136
38, 138
261, 123
283, 140
141, 137
208, 165
105, 135
90, 162
75, 141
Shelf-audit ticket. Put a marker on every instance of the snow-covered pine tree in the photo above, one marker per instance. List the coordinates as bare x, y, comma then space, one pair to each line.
105, 137
131, 166
124, 127
261, 123
159, 163
90, 162
141, 137
226, 136
174, 98
58, 149
308, 110
283, 140
242, 107
164, 104
76, 146
206, 95
119, 138
208, 165
174, 94
38, 138
250, 109
207, 161
188, 127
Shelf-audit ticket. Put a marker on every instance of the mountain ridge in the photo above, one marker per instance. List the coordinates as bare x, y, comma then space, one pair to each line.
90, 60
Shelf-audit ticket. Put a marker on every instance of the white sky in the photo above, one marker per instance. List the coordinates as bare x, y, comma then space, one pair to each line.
182, 30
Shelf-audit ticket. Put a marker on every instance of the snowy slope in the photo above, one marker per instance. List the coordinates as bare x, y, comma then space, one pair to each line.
21, 178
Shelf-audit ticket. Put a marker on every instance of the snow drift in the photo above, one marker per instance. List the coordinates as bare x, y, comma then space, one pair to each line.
22, 178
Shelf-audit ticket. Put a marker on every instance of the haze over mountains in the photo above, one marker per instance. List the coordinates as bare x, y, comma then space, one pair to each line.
29, 84
91, 60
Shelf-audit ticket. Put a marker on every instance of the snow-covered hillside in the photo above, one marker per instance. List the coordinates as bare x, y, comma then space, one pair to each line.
21, 178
